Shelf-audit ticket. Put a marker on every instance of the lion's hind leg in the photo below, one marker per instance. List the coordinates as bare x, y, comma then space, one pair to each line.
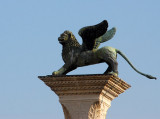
109, 69
112, 66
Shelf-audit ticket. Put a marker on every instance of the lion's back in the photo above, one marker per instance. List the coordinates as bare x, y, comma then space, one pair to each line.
107, 51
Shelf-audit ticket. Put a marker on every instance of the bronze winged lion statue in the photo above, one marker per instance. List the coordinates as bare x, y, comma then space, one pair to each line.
75, 55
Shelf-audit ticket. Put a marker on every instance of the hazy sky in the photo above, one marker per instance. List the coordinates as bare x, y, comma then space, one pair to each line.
29, 48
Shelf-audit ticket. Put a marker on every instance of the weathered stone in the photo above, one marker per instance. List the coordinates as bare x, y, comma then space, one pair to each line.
85, 96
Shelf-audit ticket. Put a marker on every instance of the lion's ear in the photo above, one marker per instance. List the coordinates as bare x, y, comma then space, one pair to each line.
70, 35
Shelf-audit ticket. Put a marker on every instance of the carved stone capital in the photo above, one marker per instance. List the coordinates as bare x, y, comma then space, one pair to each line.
85, 96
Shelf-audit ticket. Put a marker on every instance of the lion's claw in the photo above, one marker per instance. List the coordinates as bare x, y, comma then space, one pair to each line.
54, 73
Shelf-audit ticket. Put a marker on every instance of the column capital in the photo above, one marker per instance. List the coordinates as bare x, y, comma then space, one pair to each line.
85, 96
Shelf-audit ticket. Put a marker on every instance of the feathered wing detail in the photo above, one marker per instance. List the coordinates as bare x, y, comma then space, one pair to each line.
107, 36
90, 33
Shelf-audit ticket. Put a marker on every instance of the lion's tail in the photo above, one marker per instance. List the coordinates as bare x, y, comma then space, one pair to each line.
146, 75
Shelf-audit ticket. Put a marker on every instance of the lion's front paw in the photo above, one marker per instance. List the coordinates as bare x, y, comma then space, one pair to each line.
113, 73
55, 73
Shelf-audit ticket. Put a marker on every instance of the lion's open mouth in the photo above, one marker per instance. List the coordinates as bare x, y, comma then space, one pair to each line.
60, 39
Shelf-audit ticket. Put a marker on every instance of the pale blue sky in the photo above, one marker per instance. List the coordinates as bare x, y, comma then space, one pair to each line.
29, 48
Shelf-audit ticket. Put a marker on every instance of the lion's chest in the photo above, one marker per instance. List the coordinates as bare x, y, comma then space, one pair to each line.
70, 55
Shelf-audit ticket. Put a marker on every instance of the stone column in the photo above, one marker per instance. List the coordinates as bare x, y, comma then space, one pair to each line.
85, 96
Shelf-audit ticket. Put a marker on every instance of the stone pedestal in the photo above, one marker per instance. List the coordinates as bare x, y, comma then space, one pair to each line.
85, 96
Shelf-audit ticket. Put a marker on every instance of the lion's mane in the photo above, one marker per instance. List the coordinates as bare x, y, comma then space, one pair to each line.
70, 45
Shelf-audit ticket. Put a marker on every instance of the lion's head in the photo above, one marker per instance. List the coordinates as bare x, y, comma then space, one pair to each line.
67, 37
69, 42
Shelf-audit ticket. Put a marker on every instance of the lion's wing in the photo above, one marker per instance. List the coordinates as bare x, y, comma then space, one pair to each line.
90, 33
107, 36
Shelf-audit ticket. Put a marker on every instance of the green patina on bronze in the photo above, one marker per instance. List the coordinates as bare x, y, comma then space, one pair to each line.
75, 55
